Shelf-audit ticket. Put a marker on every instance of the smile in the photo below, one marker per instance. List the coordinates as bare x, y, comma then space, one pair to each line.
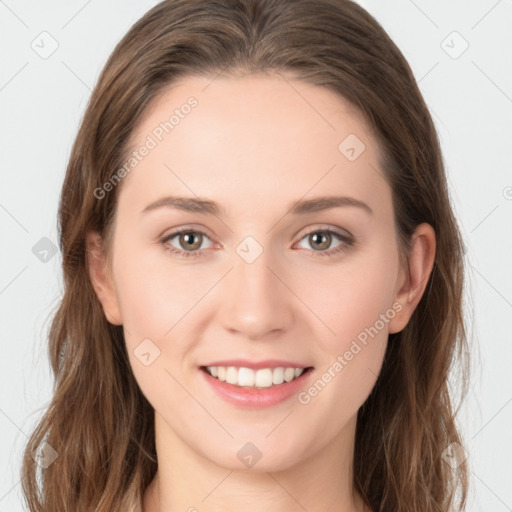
247, 377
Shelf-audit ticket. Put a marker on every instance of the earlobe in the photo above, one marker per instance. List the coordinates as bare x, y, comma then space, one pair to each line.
101, 279
414, 279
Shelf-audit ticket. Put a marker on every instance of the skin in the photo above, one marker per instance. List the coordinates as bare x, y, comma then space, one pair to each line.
255, 144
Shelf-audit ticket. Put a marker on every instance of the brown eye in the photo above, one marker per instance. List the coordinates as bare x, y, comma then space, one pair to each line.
188, 243
320, 239
188, 240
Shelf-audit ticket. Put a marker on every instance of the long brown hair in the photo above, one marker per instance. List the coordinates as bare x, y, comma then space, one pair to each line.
98, 421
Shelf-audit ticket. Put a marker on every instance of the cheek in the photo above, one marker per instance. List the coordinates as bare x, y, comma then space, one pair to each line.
353, 355
340, 389
353, 301
155, 294
356, 304
160, 302
155, 301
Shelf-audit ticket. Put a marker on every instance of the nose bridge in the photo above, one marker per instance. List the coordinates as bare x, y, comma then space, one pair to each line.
256, 301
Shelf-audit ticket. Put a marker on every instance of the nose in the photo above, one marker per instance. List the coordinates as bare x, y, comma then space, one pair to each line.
257, 300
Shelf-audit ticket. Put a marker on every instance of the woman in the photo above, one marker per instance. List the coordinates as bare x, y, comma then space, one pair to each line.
208, 354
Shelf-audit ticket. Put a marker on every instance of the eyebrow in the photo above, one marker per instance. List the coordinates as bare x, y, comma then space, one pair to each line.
300, 207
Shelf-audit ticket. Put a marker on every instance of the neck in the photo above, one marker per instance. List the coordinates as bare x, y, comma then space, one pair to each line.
188, 481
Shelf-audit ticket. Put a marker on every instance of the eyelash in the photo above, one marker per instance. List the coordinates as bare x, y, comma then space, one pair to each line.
347, 242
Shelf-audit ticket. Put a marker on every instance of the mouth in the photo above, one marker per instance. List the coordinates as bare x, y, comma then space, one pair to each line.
262, 378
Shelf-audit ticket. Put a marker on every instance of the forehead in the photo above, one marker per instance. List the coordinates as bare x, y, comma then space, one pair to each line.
251, 139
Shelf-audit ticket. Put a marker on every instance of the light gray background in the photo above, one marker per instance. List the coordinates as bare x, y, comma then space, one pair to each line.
470, 96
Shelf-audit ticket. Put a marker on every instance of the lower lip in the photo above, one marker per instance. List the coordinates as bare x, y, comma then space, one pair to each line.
253, 398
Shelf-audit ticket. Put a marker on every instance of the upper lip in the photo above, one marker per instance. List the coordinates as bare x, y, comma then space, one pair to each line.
257, 365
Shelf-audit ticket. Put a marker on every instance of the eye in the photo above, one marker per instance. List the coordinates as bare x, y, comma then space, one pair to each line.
321, 239
191, 239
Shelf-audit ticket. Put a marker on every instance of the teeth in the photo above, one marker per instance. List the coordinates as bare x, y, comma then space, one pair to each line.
231, 375
278, 376
263, 378
289, 374
245, 377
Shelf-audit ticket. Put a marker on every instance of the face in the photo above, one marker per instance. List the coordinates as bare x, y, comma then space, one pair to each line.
261, 277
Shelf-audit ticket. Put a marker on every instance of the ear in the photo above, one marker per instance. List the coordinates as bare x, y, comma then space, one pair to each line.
101, 278
413, 280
